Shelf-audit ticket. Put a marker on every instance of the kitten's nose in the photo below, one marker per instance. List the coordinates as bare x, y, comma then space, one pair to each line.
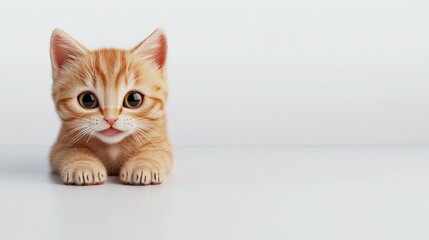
110, 121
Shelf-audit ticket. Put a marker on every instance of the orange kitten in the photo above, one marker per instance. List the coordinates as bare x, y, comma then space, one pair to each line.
112, 106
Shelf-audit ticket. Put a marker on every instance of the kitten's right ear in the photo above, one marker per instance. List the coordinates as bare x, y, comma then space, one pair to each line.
64, 49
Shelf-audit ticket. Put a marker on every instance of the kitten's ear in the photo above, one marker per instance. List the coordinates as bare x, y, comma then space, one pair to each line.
153, 48
64, 49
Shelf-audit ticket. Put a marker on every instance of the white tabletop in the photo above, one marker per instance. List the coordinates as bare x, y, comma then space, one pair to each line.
228, 193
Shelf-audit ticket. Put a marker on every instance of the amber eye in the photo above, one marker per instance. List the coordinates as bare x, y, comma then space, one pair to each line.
133, 100
88, 100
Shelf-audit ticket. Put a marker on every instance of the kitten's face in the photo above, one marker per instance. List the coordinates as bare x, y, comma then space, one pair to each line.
109, 94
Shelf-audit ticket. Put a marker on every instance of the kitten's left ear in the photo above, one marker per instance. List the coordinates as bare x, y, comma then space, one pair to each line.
64, 49
153, 48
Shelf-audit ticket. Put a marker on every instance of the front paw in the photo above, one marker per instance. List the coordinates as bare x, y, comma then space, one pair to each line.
83, 173
141, 173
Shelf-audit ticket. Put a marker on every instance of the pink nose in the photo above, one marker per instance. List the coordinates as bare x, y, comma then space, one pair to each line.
110, 121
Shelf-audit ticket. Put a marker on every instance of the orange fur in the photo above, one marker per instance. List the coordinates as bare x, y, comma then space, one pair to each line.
141, 154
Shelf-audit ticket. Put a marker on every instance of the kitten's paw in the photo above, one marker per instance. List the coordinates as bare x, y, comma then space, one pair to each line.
141, 173
83, 173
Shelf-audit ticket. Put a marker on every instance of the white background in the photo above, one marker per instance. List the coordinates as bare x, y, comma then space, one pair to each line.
241, 72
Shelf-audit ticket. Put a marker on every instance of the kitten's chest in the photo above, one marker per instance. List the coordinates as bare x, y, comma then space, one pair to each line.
113, 152
113, 157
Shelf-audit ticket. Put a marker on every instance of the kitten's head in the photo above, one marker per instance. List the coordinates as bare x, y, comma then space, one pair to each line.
109, 93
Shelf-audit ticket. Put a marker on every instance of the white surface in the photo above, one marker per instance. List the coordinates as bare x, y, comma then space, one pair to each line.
241, 72
228, 193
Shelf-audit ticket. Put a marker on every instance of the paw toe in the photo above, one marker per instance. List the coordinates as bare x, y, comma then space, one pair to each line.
137, 176
140, 174
82, 173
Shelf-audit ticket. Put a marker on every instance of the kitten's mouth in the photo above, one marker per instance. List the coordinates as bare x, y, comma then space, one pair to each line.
110, 131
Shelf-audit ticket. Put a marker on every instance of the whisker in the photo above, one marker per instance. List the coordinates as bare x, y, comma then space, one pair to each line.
76, 128
77, 117
150, 130
91, 134
79, 135
137, 137
147, 128
141, 132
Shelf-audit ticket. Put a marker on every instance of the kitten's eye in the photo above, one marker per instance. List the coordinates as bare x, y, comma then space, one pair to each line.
133, 100
88, 100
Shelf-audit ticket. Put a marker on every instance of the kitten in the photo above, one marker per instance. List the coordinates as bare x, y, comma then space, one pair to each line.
112, 106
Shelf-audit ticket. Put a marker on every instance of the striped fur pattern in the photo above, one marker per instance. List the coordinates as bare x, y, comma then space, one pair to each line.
140, 153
